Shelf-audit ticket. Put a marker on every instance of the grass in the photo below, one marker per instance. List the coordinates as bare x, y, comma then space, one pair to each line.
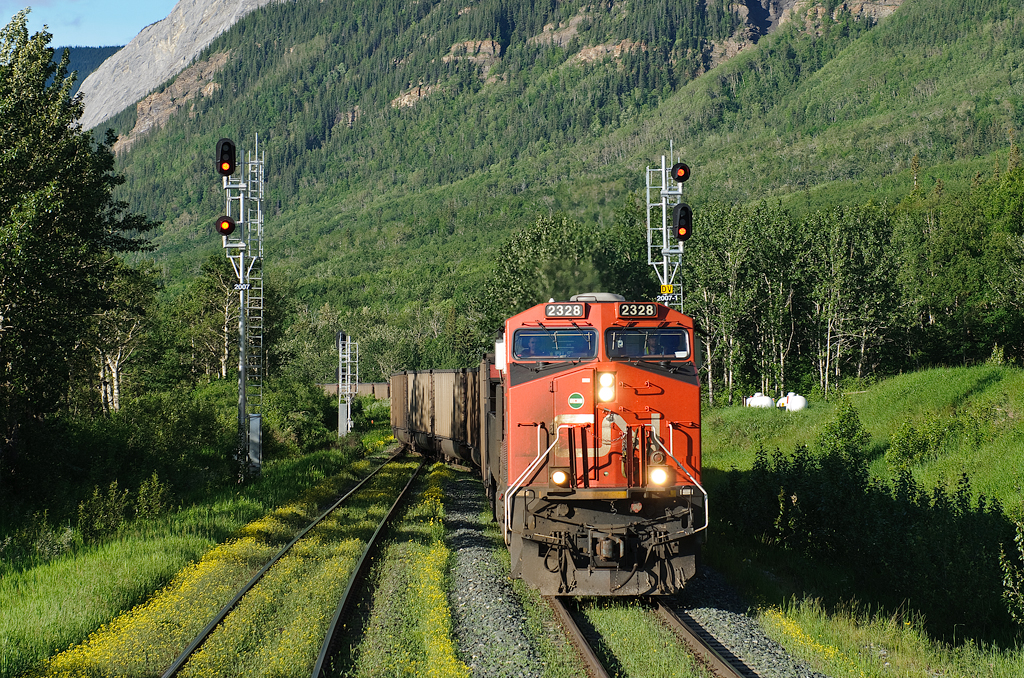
409, 631
56, 605
981, 407
970, 419
634, 642
277, 628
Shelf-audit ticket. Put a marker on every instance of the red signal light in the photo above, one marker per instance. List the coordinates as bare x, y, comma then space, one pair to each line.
226, 157
225, 225
680, 172
682, 221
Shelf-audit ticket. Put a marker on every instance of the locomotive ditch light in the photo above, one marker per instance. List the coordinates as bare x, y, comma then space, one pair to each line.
559, 477
225, 225
660, 475
606, 386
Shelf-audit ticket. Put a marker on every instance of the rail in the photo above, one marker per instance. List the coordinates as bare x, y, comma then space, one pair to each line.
594, 666
180, 661
722, 662
357, 577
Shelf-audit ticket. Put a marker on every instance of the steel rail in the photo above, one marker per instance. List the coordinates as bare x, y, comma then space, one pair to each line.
594, 665
357, 576
182, 658
714, 654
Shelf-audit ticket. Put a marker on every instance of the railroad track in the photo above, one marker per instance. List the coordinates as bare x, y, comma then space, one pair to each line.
699, 642
358, 574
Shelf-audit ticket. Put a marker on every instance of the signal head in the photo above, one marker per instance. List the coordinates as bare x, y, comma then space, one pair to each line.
225, 225
226, 157
680, 172
682, 221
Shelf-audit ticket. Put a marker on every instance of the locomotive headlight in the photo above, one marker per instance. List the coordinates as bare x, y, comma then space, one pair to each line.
658, 475
606, 390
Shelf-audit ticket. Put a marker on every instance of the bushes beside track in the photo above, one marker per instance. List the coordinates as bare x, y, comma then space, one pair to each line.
83, 478
901, 545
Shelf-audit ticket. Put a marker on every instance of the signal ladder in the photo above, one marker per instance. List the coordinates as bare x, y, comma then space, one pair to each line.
255, 359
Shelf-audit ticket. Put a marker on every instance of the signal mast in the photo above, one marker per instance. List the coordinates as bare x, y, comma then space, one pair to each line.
665, 239
244, 200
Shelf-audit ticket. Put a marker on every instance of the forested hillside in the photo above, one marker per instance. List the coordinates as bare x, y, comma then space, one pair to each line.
404, 146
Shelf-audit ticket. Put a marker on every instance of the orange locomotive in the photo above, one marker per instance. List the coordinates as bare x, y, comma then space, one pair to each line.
586, 428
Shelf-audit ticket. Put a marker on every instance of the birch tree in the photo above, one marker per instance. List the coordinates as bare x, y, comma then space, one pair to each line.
717, 293
122, 328
776, 270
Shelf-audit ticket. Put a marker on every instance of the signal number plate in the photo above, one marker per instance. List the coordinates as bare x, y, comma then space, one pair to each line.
563, 311
633, 310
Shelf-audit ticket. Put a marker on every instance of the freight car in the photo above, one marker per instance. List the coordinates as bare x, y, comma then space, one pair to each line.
585, 425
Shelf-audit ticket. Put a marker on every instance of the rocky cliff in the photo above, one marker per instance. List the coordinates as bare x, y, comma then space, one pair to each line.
158, 53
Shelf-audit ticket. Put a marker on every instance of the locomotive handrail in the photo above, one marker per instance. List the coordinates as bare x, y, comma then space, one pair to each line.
671, 442
521, 480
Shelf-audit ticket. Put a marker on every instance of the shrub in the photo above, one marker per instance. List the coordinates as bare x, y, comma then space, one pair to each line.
154, 498
102, 514
900, 542
908, 446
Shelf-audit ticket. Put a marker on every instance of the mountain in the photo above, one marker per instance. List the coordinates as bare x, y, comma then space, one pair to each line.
405, 142
159, 52
85, 60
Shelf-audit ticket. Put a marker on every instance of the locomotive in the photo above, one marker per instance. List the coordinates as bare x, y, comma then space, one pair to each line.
585, 425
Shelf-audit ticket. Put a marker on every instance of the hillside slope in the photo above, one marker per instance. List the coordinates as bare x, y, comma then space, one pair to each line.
403, 147
159, 52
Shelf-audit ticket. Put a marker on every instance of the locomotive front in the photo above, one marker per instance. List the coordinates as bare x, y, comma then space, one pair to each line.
599, 488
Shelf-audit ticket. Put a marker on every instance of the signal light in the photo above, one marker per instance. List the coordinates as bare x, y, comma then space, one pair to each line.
682, 221
225, 225
226, 157
680, 172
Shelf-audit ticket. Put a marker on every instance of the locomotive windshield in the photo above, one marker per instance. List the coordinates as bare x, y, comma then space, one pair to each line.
560, 344
652, 343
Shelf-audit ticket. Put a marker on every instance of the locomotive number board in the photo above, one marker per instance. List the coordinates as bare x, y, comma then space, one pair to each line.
636, 310
564, 311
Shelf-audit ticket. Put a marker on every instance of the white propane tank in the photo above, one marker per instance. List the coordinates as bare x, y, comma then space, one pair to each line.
760, 400
795, 403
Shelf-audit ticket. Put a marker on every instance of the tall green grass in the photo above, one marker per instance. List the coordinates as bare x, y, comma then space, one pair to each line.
981, 406
46, 607
941, 467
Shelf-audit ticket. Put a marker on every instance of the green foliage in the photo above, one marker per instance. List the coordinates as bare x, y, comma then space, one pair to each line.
59, 229
154, 498
297, 418
900, 543
844, 435
370, 414
102, 514
1013, 575
908, 446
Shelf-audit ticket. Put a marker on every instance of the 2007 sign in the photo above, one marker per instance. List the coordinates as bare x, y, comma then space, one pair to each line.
638, 310
563, 310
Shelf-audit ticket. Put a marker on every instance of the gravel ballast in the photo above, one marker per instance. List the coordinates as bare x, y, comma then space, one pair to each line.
490, 623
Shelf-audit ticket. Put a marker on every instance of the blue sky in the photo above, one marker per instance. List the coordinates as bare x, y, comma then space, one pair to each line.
88, 23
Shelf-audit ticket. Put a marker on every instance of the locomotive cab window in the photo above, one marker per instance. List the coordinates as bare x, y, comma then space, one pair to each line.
648, 343
560, 344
